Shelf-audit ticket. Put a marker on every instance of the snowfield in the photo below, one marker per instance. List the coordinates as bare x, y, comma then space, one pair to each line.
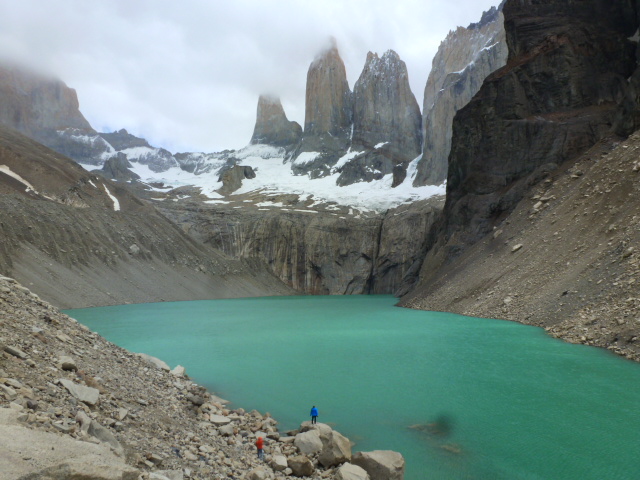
274, 177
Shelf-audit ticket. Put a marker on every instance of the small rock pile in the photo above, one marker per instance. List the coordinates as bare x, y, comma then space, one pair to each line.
73, 403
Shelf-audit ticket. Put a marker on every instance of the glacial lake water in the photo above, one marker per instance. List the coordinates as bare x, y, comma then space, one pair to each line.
512, 402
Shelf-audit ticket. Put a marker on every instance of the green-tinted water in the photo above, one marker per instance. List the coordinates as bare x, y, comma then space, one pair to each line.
517, 404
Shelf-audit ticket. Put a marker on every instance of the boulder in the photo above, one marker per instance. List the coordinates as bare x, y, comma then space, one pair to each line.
168, 474
67, 364
69, 459
381, 464
301, 466
336, 449
16, 352
279, 463
179, 371
308, 442
259, 473
156, 362
86, 395
219, 420
349, 471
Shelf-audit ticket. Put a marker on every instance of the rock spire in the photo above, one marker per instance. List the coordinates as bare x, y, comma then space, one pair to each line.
272, 126
386, 117
328, 114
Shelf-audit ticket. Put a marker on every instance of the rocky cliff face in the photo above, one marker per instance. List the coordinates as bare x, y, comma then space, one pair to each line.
319, 251
47, 110
36, 106
563, 88
386, 120
328, 115
272, 126
464, 59
568, 83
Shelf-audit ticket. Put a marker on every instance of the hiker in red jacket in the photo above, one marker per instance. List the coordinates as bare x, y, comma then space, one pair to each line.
260, 447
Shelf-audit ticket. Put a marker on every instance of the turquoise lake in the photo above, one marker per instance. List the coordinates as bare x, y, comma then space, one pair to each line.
513, 403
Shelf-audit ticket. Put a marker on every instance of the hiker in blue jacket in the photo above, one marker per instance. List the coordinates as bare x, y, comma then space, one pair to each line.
314, 415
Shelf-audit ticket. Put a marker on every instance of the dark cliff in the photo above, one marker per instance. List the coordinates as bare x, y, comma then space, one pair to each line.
564, 88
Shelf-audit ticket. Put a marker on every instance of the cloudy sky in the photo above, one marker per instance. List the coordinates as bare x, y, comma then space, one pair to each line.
186, 74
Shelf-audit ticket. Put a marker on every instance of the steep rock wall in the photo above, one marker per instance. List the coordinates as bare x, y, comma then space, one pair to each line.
464, 59
386, 120
319, 253
328, 115
565, 86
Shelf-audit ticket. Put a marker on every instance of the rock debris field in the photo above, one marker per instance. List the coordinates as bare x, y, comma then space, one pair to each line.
75, 406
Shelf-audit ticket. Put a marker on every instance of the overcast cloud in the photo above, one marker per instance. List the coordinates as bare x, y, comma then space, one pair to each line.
186, 75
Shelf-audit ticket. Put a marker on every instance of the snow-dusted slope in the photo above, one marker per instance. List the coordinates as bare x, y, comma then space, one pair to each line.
274, 177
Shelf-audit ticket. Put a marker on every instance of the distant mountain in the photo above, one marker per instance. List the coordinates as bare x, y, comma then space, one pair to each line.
463, 61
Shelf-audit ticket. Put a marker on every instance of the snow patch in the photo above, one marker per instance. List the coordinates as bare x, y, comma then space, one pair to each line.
7, 171
306, 157
346, 158
116, 203
380, 145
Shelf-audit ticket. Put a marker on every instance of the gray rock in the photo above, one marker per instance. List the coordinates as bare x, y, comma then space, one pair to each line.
179, 371
16, 352
166, 475
381, 464
85, 394
67, 364
336, 449
219, 420
9, 393
348, 471
279, 463
69, 459
227, 430
309, 442
156, 362
258, 473
301, 466
105, 436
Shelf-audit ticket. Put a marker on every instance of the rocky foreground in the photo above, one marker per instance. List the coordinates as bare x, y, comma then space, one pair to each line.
74, 406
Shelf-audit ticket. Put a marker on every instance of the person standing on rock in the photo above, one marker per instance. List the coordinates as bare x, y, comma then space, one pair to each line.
260, 447
314, 415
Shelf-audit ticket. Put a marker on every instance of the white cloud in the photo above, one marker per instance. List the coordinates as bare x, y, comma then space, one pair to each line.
187, 75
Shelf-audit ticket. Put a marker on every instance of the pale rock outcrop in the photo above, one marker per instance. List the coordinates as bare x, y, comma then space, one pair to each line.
386, 121
272, 126
156, 362
381, 464
279, 463
328, 115
348, 471
301, 466
336, 449
28, 453
464, 59
88, 395
309, 442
